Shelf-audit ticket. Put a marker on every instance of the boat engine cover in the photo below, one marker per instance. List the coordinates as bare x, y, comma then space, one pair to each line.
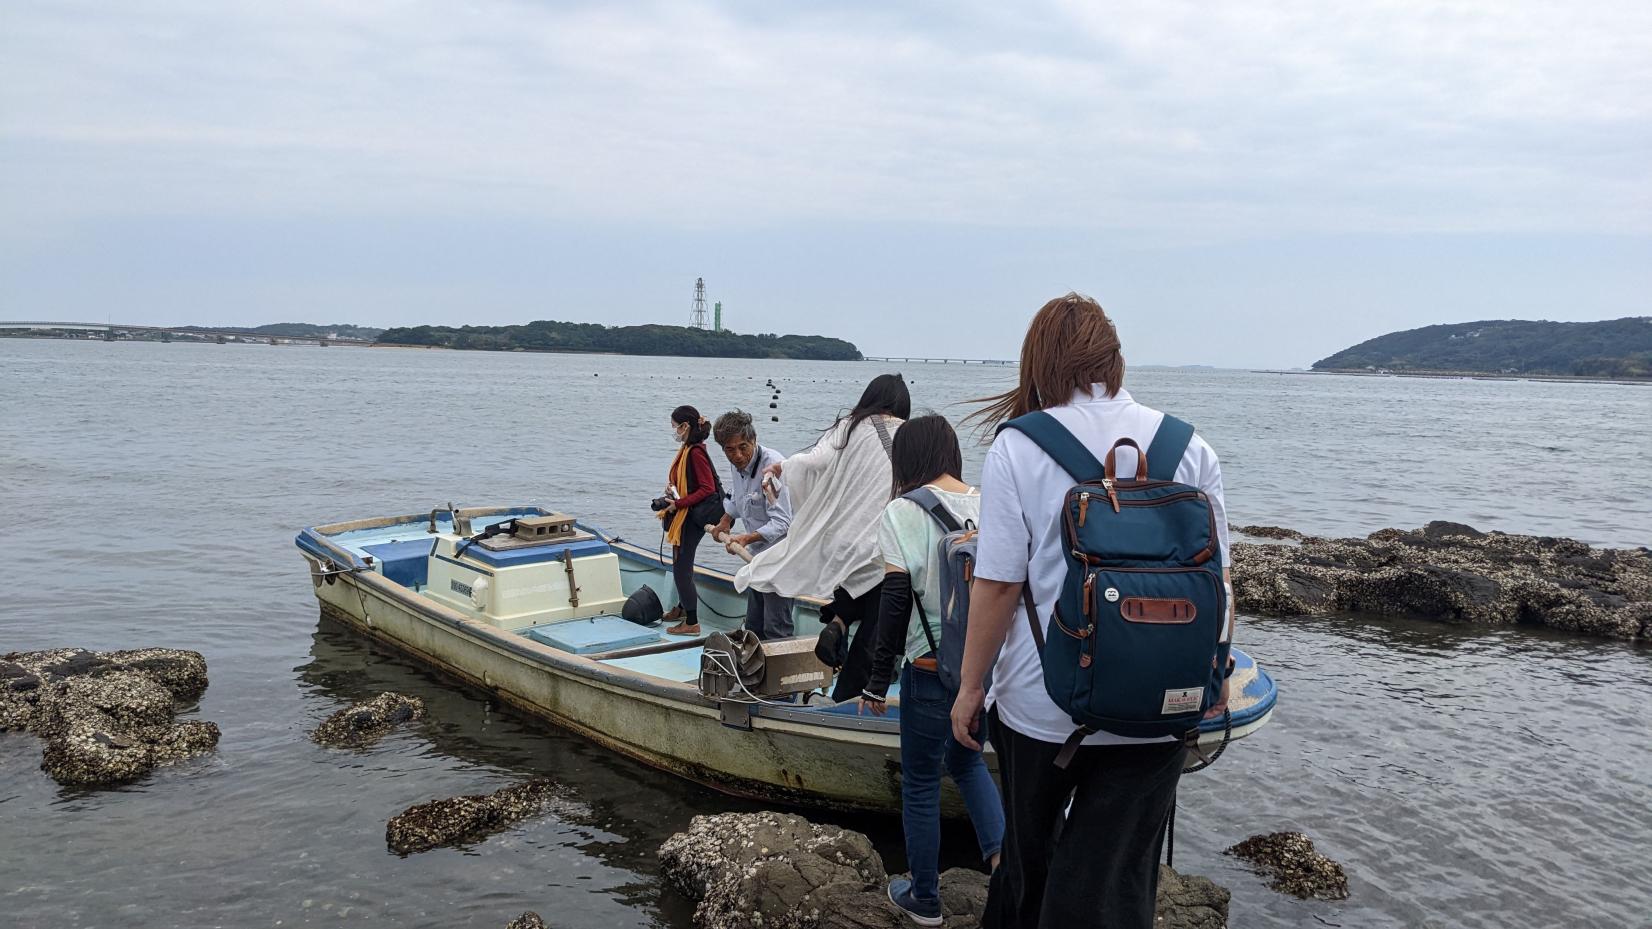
643, 607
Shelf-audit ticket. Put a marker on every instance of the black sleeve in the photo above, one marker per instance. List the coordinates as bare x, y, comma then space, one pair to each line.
894, 613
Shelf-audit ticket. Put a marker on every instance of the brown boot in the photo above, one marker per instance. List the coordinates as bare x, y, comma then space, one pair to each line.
674, 614
684, 628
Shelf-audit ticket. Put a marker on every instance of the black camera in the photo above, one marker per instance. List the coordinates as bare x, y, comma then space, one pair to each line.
659, 503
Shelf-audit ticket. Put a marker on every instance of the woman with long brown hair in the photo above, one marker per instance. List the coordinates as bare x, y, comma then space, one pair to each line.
1081, 842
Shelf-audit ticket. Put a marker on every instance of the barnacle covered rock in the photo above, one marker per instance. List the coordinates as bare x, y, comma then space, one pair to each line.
1297, 868
1453, 573
365, 723
463, 819
106, 716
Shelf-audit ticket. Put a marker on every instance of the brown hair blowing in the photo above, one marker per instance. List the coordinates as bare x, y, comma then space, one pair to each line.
1070, 345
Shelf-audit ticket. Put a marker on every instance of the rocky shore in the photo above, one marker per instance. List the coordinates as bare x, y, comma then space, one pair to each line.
1448, 572
781, 871
107, 717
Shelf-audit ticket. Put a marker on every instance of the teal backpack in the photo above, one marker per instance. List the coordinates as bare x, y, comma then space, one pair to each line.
1134, 646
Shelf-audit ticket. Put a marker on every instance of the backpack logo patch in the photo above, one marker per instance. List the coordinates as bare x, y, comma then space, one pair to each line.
1112, 594
1183, 700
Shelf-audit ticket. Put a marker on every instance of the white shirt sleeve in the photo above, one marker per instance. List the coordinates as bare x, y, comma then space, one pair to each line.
1207, 477
1005, 544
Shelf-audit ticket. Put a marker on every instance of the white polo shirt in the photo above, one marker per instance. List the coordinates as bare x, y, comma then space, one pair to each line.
1021, 495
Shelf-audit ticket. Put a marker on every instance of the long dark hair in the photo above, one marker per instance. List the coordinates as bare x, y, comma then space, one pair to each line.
925, 449
886, 394
698, 428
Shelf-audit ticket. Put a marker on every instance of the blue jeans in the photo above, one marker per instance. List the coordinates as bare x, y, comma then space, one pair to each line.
927, 746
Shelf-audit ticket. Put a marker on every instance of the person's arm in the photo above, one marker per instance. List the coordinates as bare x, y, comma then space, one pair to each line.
779, 511
1002, 550
991, 610
894, 613
705, 479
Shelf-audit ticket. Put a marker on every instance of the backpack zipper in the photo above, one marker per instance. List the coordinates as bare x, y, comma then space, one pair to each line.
1083, 510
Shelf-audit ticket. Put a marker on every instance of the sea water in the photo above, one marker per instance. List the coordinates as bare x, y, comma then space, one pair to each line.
151, 492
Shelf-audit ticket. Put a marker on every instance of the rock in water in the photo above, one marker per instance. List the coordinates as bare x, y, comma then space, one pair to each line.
106, 716
460, 819
528, 920
1295, 866
780, 871
1188, 901
1453, 573
364, 723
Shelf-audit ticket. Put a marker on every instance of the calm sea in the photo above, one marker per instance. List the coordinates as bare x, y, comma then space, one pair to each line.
1465, 778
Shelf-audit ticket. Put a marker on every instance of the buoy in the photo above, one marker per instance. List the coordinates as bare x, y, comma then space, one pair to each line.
774, 406
774, 419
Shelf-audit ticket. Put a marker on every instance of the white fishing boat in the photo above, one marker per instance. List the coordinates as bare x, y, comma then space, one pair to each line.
530, 614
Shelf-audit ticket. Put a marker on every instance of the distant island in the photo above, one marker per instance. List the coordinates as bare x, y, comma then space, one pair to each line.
1615, 348
551, 336
310, 331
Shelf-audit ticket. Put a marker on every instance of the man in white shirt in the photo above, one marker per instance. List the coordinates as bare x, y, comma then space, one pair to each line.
764, 516
1095, 863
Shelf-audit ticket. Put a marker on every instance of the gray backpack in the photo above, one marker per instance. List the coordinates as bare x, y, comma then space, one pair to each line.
957, 567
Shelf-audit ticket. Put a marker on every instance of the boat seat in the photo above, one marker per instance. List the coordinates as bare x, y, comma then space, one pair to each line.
588, 636
405, 563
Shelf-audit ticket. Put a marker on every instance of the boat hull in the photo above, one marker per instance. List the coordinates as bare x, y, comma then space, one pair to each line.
773, 753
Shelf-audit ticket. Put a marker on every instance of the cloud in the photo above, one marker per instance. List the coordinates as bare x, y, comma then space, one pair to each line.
1169, 119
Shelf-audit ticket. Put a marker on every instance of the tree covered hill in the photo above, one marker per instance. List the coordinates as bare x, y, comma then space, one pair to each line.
310, 330
550, 336
1611, 348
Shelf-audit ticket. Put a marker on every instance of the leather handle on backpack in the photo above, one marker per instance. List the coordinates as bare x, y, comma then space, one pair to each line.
1110, 471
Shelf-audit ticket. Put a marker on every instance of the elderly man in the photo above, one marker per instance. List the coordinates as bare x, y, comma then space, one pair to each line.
765, 517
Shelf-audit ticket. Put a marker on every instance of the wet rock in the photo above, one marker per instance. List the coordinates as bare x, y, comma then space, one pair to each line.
1452, 573
365, 723
1188, 901
780, 871
528, 920
469, 818
106, 716
1296, 867
1269, 532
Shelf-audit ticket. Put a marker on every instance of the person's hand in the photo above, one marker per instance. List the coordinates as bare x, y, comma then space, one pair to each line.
748, 538
669, 509
966, 715
773, 470
730, 546
868, 705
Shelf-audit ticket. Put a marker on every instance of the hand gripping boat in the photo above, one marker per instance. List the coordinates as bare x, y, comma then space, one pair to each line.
530, 614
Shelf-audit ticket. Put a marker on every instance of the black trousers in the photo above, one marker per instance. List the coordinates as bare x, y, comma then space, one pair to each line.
682, 568
1097, 866
862, 620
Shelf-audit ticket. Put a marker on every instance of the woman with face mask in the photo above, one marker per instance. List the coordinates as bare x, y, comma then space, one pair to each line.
693, 498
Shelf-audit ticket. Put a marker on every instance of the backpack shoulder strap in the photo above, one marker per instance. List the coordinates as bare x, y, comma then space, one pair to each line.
932, 505
1170, 442
1048, 434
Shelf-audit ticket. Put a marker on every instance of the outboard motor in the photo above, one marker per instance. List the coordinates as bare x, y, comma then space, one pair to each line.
643, 607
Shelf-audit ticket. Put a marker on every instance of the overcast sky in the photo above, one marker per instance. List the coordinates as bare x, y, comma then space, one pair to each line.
1238, 187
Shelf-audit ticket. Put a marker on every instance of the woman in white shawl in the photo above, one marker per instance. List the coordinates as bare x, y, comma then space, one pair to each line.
838, 490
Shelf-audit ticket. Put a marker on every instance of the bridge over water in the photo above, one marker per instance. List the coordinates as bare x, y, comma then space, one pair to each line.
941, 361
113, 331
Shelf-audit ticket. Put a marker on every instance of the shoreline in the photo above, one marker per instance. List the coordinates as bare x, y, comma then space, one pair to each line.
1466, 376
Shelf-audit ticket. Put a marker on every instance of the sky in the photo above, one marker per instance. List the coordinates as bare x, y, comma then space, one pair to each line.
1238, 184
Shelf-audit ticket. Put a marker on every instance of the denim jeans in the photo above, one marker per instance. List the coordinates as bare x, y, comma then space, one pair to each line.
927, 746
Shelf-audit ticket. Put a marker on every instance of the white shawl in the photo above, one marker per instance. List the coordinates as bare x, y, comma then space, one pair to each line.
838, 497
